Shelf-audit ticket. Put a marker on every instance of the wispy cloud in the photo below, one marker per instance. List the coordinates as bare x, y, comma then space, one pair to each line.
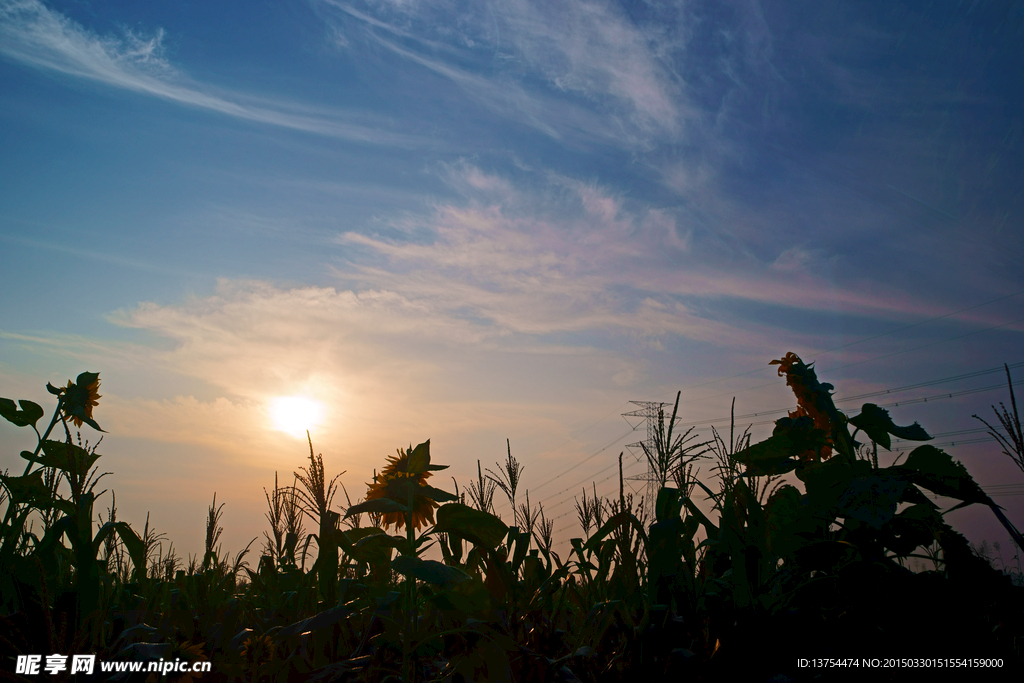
540, 58
36, 36
594, 49
577, 256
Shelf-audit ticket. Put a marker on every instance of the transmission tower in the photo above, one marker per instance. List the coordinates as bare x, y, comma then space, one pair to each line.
649, 412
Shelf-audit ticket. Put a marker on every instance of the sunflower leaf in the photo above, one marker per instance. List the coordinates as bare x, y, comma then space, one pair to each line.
28, 489
28, 415
430, 571
64, 456
479, 528
934, 469
419, 458
381, 505
436, 495
877, 424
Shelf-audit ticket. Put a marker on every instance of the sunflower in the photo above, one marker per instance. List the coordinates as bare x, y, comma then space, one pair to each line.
392, 483
80, 397
188, 653
257, 649
813, 398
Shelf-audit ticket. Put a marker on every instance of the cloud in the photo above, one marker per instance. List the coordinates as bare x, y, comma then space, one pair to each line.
572, 257
34, 35
387, 368
552, 62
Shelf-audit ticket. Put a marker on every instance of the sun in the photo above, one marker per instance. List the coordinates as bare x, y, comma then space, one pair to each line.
295, 414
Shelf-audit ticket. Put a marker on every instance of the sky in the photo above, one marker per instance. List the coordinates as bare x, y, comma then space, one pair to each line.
480, 221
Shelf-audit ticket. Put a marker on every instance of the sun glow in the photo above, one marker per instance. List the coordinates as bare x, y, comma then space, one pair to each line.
295, 414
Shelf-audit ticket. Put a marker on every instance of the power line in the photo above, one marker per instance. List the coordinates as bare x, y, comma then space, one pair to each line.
937, 397
926, 399
882, 392
866, 360
818, 353
877, 336
950, 443
969, 375
909, 401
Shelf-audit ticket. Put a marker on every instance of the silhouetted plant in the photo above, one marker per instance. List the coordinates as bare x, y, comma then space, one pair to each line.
1013, 441
668, 457
481, 491
545, 529
507, 479
316, 497
213, 531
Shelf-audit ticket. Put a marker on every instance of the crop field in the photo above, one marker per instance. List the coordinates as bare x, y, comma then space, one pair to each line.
783, 581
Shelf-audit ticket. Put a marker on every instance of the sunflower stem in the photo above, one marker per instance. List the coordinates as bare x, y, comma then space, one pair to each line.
39, 446
410, 592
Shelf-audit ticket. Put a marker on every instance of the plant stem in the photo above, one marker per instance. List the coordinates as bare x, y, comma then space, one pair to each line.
39, 446
410, 594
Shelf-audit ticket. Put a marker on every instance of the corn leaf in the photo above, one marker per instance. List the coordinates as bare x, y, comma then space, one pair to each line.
621, 519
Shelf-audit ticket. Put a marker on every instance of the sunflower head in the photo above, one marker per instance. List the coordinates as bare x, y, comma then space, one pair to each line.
408, 468
80, 397
813, 398
187, 652
257, 649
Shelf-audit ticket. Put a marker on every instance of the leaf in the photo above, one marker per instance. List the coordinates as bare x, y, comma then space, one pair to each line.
763, 457
914, 527
86, 378
28, 489
356, 535
479, 528
28, 415
134, 545
373, 548
67, 457
382, 505
876, 423
709, 527
783, 513
522, 541
436, 495
936, 471
326, 618
430, 571
404, 488
467, 597
826, 483
419, 458
668, 504
790, 438
623, 519
872, 499
826, 555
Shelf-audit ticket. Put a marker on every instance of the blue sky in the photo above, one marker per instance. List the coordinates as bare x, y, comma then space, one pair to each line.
471, 220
